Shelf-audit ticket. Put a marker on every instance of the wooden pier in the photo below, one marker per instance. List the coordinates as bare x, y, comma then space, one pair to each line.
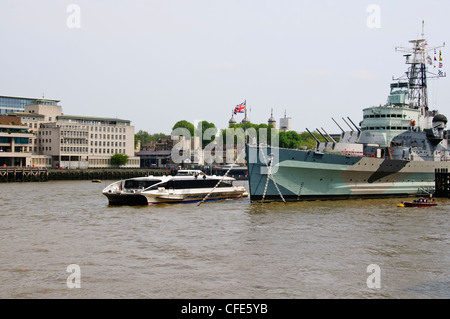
32, 174
23, 174
442, 183
104, 174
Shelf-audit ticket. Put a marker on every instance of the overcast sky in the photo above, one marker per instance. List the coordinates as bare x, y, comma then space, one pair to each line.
155, 62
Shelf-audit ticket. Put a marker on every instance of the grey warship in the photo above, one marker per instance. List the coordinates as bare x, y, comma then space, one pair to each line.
393, 152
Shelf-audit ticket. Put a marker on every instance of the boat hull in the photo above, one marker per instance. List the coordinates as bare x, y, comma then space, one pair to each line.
158, 197
195, 196
413, 204
308, 175
127, 199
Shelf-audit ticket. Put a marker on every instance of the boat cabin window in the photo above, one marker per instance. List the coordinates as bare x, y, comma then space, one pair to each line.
188, 173
138, 184
183, 174
189, 183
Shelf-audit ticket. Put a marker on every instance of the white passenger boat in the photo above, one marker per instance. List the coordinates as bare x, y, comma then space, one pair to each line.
186, 186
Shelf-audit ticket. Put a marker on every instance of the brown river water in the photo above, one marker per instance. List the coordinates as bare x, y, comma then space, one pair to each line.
226, 249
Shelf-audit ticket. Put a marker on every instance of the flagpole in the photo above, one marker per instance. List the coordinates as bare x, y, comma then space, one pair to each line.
246, 109
245, 124
245, 131
245, 105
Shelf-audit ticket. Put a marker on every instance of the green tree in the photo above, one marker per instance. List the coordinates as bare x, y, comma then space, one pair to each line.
212, 131
185, 124
119, 159
155, 137
145, 137
142, 136
309, 141
290, 139
236, 131
240, 129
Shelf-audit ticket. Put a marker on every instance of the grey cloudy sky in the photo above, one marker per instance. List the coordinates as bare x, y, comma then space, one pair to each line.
159, 61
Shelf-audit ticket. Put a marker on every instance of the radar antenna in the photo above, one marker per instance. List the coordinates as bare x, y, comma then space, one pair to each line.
416, 76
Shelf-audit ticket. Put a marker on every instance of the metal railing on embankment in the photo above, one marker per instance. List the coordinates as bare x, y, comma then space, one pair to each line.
32, 174
106, 174
23, 174
442, 182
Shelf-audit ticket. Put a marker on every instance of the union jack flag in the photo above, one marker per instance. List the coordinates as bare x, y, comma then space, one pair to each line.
240, 108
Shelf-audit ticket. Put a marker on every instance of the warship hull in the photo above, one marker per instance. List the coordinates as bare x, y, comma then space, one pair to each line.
296, 175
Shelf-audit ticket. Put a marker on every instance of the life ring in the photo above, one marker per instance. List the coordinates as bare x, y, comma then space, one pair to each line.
372, 156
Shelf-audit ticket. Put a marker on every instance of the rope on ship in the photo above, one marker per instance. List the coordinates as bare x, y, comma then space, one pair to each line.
270, 175
220, 181
267, 180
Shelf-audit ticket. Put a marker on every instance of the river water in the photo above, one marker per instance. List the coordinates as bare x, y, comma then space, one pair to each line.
227, 249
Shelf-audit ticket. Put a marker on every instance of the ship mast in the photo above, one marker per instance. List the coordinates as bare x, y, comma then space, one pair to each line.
417, 71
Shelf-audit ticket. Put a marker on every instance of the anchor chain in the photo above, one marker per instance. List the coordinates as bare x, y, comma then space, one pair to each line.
226, 173
270, 175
